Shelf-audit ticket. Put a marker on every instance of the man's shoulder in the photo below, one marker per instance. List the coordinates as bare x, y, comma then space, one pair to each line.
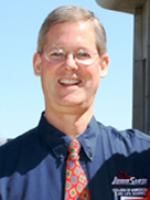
12, 146
131, 138
3, 141
18, 151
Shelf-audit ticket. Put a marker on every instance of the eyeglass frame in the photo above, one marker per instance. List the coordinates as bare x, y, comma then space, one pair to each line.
74, 55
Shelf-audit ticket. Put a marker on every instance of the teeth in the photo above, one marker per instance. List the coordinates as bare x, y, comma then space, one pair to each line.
69, 82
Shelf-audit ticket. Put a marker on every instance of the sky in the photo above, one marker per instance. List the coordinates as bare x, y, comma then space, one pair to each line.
21, 98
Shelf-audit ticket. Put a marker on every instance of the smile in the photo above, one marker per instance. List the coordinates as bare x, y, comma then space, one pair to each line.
68, 82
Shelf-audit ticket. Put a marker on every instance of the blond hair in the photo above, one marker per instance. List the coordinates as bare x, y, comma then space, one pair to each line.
72, 14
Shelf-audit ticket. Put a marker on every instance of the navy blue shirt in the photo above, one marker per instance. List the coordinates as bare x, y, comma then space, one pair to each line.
117, 164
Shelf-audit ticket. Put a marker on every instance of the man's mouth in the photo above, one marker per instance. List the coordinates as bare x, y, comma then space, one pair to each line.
69, 82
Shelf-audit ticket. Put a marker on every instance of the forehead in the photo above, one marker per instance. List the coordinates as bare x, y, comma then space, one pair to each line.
71, 33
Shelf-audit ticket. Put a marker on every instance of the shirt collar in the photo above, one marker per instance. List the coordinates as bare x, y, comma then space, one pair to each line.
59, 142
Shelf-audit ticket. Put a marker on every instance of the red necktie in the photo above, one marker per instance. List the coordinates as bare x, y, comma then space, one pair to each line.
76, 180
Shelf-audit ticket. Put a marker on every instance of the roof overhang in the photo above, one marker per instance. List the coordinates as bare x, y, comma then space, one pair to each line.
122, 5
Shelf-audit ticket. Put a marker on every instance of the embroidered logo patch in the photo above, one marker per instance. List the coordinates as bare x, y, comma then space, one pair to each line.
125, 187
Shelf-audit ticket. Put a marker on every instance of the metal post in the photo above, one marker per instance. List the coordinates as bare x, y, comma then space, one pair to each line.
147, 72
138, 72
141, 68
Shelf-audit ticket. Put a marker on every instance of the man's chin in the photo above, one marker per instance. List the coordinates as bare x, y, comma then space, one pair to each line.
71, 103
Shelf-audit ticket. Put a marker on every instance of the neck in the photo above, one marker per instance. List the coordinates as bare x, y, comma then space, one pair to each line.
71, 124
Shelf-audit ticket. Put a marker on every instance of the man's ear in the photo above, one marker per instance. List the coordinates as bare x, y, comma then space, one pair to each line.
104, 63
37, 64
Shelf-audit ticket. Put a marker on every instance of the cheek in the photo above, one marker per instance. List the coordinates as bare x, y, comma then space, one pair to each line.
48, 71
46, 79
92, 83
94, 73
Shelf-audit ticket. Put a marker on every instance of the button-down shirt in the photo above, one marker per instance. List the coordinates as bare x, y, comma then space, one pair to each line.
117, 163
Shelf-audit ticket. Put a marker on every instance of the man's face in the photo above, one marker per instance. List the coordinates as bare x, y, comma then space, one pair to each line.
68, 84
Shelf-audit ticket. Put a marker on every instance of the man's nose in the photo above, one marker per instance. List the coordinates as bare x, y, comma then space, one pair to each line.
70, 62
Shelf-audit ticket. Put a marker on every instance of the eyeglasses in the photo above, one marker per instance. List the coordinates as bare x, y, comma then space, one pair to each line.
81, 56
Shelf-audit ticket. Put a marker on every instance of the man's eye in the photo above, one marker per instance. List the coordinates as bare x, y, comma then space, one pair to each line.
56, 54
83, 55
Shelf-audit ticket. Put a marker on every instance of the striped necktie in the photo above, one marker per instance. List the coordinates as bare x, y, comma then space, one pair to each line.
76, 180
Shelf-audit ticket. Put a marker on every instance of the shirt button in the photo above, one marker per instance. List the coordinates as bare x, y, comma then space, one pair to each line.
90, 154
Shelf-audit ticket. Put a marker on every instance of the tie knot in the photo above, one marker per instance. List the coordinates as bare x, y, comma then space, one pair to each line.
74, 149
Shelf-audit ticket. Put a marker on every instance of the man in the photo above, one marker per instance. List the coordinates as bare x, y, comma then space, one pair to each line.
71, 59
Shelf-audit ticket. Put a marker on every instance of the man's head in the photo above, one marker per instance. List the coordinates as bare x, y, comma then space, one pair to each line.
66, 14
71, 59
